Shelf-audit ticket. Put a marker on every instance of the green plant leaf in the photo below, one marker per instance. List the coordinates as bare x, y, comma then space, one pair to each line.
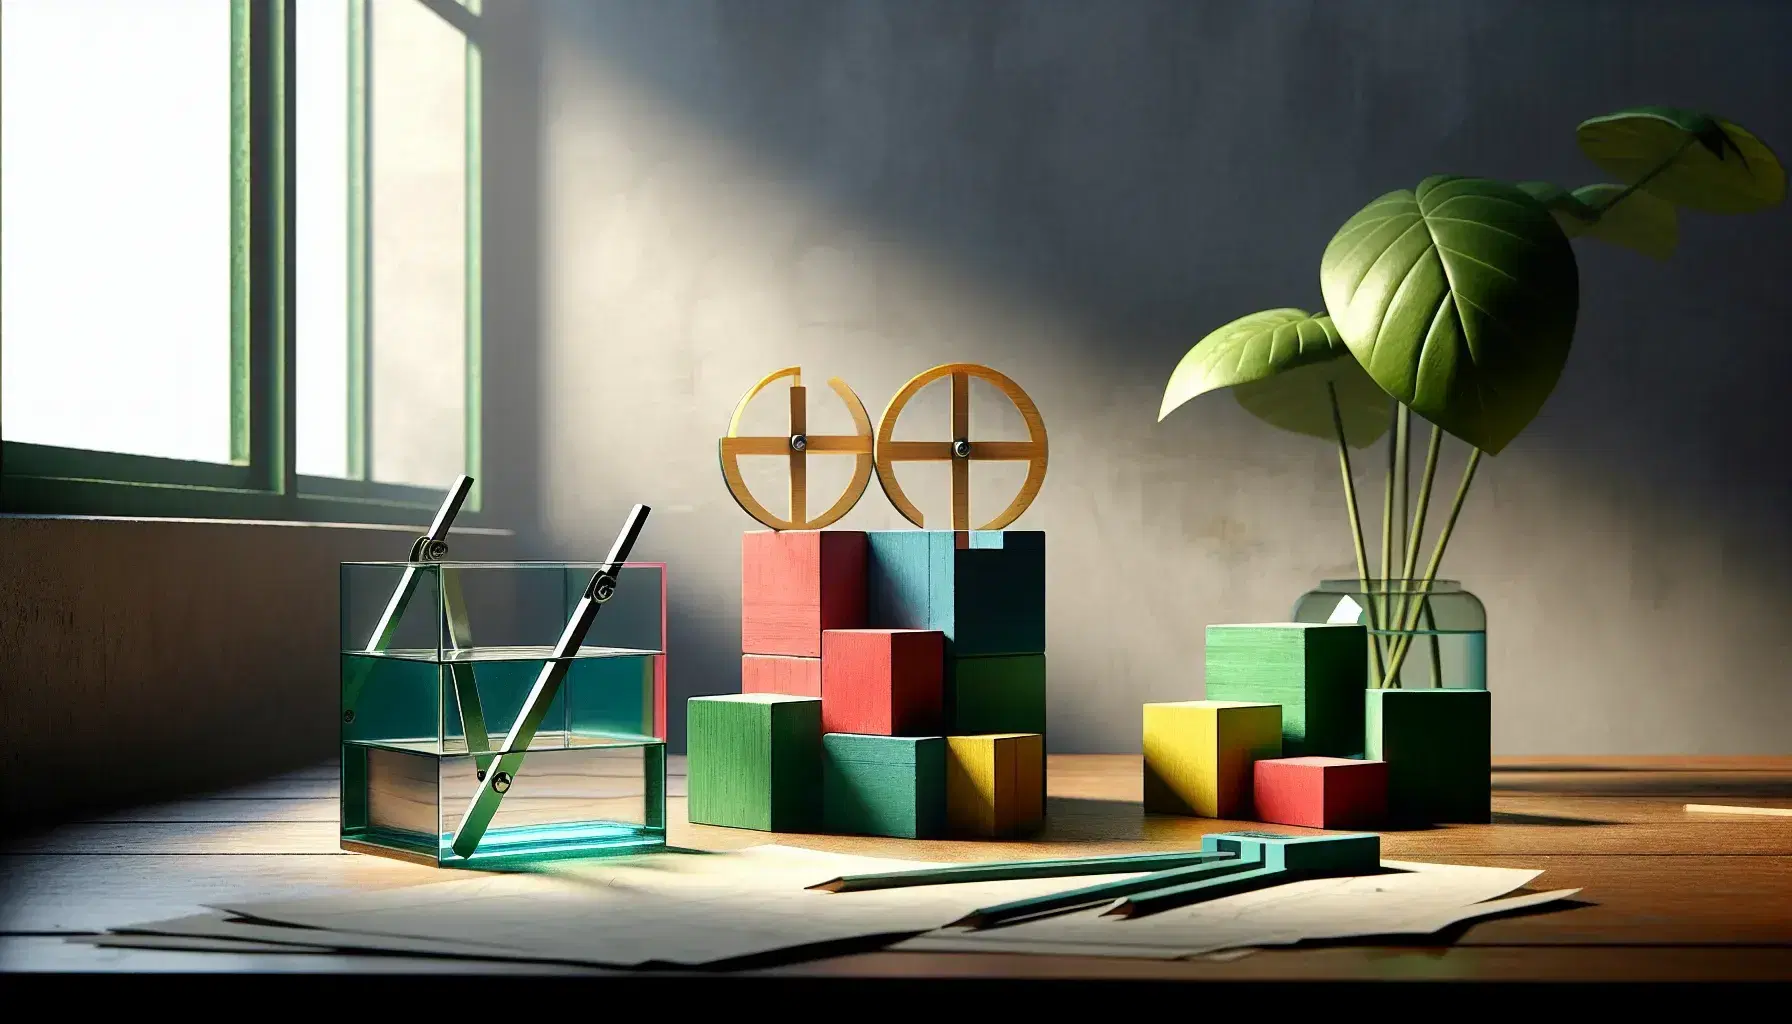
1572, 215
1641, 220
1712, 165
1459, 298
1248, 349
1296, 401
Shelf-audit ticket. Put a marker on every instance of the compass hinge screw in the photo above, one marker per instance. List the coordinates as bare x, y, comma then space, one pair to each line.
961, 449
798, 443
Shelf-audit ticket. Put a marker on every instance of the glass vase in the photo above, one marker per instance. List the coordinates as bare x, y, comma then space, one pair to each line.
1441, 628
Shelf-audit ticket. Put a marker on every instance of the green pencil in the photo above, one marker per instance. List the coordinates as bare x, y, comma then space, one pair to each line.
1170, 897
1001, 871
1107, 892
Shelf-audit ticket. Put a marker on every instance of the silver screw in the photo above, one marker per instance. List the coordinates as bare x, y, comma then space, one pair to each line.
798, 443
501, 782
961, 448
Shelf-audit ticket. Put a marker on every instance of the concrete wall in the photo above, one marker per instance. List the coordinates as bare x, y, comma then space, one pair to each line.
1076, 192
142, 659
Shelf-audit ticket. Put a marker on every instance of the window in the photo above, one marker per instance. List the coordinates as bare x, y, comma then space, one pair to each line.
239, 273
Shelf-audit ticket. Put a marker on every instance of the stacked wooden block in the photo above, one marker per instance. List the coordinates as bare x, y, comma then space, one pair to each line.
1291, 734
897, 679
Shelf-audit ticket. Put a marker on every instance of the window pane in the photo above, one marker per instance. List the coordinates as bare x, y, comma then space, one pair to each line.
418, 156
321, 177
115, 167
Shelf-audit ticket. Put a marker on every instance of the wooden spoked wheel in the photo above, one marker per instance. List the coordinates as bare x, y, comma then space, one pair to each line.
961, 451
797, 446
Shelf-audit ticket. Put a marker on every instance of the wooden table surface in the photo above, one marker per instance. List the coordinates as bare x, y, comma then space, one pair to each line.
1667, 894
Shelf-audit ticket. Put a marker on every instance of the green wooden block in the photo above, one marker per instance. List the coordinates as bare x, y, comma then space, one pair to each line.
1439, 748
984, 589
1316, 671
755, 761
884, 785
995, 694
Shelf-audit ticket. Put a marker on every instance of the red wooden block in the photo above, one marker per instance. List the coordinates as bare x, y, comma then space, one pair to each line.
796, 583
883, 682
1321, 792
775, 673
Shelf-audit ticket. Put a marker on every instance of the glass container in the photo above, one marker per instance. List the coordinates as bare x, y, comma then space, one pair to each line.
438, 661
1441, 628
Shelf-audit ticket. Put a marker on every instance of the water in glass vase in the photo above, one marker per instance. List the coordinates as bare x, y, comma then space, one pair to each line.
416, 738
1428, 635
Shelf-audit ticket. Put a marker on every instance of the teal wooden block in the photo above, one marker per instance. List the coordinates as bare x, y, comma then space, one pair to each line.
1439, 748
884, 785
995, 694
754, 761
1356, 853
987, 596
1316, 671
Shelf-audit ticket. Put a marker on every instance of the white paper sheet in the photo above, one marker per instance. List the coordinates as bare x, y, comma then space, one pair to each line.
661, 908
1414, 899
193, 944
708, 908
227, 929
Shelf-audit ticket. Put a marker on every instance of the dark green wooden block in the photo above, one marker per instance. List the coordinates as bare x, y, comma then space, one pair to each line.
994, 694
987, 596
1314, 670
755, 761
1439, 748
884, 785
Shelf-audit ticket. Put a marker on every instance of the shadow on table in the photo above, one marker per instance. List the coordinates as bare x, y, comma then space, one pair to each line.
1545, 769
1080, 819
1083, 819
1514, 818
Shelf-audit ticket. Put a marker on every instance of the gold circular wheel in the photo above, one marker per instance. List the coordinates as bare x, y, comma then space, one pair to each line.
961, 451
797, 447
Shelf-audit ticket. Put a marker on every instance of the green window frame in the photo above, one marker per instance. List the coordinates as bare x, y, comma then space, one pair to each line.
260, 481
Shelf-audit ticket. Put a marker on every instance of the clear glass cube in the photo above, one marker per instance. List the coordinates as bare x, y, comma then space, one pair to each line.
438, 660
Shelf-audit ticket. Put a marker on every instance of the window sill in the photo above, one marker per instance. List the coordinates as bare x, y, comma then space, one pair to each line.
319, 502
421, 525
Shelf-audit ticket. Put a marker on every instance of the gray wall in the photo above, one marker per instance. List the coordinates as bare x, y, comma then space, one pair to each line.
1074, 193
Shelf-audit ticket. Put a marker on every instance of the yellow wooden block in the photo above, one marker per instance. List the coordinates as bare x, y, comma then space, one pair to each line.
1199, 753
995, 784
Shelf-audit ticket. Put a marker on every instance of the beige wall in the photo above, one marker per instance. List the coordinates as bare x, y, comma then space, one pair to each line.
141, 659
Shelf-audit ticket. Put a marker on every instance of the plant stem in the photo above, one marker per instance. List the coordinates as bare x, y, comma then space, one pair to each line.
1437, 661
1403, 446
1403, 440
1404, 643
1356, 529
1423, 506
1602, 209
1387, 525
